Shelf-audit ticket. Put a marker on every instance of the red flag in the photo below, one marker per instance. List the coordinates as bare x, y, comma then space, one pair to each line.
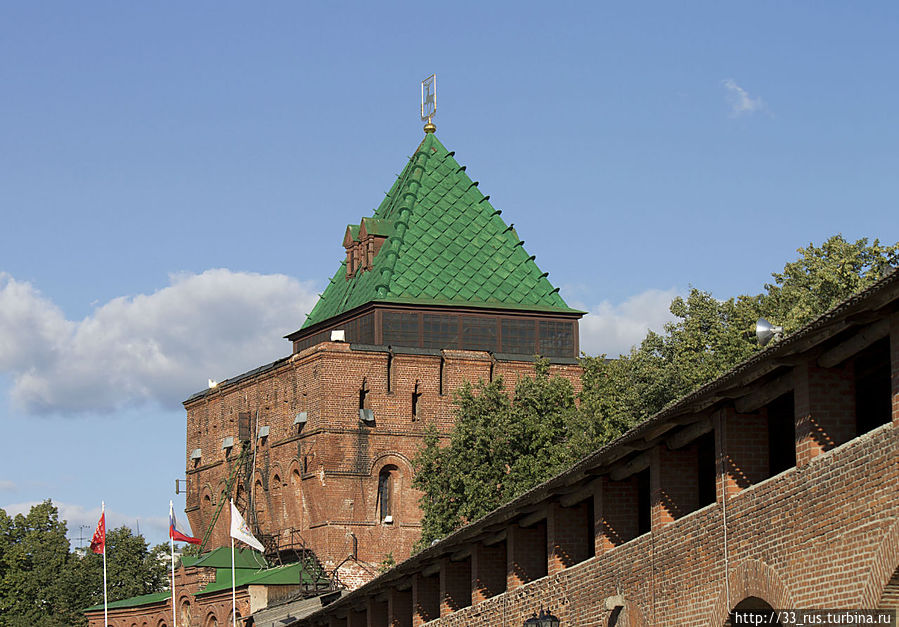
177, 534
98, 542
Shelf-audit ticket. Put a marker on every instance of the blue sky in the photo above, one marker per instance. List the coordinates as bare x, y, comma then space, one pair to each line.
175, 181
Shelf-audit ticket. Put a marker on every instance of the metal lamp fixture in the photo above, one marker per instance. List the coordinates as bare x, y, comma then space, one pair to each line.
765, 331
545, 619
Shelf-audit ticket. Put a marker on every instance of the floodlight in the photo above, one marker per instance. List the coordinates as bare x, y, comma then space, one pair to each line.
765, 331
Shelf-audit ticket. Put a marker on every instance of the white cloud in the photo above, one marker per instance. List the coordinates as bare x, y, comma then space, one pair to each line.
77, 516
741, 103
612, 329
157, 347
7, 486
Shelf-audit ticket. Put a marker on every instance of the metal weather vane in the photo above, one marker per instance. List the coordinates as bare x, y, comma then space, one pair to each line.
429, 102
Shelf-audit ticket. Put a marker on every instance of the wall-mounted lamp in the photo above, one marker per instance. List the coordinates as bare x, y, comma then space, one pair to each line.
545, 619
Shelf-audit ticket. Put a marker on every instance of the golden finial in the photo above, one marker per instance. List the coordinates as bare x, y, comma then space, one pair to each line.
429, 102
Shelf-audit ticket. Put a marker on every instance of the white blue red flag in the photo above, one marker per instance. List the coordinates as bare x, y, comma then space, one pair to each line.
175, 533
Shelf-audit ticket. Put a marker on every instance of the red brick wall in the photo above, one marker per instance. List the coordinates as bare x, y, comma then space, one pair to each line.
196, 609
806, 538
400, 608
455, 585
745, 455
568, 534
616, 508
526, 554
825, 409
322, 479
894, 364
488, 571
674, 483
425, 598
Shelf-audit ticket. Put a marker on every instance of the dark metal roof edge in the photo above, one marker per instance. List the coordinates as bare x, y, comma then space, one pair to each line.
416, 302
237, 379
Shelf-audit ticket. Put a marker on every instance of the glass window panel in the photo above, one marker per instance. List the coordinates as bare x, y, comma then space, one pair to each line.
519, 336
366, 330
556, 339
400, 329
479, 333
440, 331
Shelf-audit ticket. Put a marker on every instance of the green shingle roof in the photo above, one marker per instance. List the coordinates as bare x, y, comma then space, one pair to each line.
294, 573
221, 558
247, 571
446, 245
144, 599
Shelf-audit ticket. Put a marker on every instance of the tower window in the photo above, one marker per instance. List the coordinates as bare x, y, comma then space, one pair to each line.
364, 402
386, 491
389, 373
416, 397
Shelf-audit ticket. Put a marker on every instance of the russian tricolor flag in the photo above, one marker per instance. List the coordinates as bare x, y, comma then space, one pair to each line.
175, 533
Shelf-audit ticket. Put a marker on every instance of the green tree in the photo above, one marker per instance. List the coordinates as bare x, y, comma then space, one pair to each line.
132, 569
499, 448
711, 336
824, 276
34, 553
42, 583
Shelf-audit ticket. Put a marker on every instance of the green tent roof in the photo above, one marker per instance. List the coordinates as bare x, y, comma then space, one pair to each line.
445, 245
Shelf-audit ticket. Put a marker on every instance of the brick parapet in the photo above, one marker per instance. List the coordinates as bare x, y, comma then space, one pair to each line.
894, 366
824, 406
812, 536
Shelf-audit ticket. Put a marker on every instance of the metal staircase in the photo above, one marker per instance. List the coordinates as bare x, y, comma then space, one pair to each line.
238, 467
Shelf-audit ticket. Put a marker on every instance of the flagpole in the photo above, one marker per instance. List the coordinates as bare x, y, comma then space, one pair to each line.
172, 544
105, 603
233, 589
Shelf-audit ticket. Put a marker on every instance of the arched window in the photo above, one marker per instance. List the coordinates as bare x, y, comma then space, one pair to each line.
259, 501
184, 618
277, 502
296, 500
387, 493
212, 621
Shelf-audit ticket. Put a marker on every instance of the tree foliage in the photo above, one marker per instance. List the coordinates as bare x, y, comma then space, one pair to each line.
710, 336
502, 446
498, 449
43, 583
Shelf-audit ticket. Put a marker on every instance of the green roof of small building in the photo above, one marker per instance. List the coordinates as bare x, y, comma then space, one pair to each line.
446, 245
144, 599
247, 571
221, 558
279, 576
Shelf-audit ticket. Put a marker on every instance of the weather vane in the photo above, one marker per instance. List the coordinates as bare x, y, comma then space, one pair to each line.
429, 102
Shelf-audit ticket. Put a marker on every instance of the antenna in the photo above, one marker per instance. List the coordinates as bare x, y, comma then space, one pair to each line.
81, 529
429, 102
765, 332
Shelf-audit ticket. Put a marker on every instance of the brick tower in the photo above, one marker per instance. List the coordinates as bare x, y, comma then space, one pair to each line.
316, 448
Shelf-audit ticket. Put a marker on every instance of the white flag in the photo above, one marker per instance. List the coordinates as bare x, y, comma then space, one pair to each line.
241, 531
